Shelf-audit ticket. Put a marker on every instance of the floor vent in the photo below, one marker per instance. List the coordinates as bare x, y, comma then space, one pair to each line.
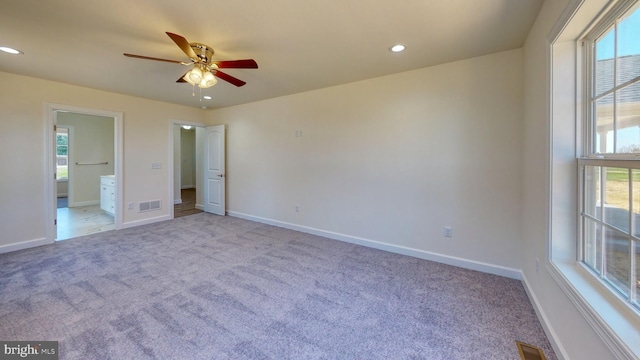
530, 352
149, 206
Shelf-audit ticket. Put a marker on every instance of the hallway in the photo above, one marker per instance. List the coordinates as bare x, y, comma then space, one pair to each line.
188, 206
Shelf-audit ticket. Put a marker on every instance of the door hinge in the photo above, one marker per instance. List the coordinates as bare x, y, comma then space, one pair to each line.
55, 176
55, 222
55, 128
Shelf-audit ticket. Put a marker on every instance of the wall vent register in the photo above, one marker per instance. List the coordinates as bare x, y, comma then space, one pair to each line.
149, 206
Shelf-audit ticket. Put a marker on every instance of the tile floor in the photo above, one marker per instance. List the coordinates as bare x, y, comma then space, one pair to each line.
85, 220
82, 220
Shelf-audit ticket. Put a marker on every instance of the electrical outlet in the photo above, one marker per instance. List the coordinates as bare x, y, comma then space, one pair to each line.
297, 208
448, 231
130, 206
537, 265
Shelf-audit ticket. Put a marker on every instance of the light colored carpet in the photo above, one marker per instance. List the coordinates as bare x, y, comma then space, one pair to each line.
211, 287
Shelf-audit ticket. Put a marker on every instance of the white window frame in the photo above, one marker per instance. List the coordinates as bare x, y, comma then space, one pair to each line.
588, 46
613, 320
600, 272
589, 156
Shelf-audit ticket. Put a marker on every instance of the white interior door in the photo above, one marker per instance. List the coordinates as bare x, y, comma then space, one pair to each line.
214, 172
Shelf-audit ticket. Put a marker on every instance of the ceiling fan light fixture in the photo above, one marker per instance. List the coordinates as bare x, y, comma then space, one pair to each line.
202, 79
188, 79
195, 75
208, 80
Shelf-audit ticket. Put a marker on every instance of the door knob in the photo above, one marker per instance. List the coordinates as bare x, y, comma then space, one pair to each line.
221, 175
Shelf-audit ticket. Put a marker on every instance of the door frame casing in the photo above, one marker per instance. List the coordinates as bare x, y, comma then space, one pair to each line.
50, 171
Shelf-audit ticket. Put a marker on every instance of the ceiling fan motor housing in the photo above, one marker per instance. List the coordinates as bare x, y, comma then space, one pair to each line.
204, 52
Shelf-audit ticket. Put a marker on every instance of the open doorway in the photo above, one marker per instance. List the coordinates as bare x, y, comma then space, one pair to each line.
187, 168
87, 170
84, 157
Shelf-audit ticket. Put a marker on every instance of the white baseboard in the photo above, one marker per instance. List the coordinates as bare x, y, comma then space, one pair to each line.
84, 203
23, 245
153, 220
184, 187
544, 320
177, 201
200, 207
421, 254
61, 195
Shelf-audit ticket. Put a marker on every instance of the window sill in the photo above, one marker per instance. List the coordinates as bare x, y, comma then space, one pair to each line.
63, 180
615, 322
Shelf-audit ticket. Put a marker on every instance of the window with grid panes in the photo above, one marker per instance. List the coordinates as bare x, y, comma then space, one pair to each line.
610, 166
62, 153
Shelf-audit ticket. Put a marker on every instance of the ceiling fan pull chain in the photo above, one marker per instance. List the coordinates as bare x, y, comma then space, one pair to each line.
193, 91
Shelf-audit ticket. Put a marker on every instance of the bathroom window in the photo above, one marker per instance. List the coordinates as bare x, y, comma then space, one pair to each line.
62, 153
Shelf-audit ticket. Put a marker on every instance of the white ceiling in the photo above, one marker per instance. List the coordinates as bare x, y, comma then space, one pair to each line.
299, 45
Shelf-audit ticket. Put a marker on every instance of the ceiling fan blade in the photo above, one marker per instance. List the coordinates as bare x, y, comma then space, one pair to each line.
237, 64
152, 58
226, 77
183, 44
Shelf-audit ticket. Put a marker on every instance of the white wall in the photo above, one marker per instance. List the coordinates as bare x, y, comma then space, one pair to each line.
391, 160
22, 128
578, 340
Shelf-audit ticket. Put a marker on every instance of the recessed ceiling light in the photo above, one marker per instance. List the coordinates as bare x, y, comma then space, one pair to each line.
207, 97
397, 48
9, 50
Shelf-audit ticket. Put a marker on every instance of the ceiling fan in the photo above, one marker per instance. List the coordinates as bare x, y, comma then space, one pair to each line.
205, 70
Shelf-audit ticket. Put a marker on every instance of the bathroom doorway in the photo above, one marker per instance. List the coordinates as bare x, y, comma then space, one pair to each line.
86, 157
89, 169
